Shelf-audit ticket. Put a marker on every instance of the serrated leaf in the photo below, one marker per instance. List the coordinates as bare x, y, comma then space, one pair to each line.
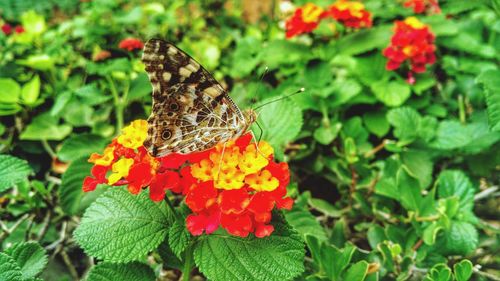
81, 145
280, 121
30, 257
73, 199
12, 171
45, 127
456, 183
463, 270
460, 239
326, 134
364, 40
9, 270
376, 122
121, 227
133, 271
406, 122
357, 271
178, 237
392, 93
277, 257
334, 261
491, 84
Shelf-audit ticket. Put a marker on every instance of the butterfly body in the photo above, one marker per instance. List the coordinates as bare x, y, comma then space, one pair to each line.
191, 111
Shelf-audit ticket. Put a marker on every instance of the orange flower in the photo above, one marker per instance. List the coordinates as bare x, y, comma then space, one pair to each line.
420, 6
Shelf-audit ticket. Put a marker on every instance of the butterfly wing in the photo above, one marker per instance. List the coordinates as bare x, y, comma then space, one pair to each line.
191, 111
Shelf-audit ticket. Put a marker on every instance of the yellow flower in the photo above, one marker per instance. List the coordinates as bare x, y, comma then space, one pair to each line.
263, 181
229, 159
414, 22
105, 159
134, 135
202, 170
228, 178
311, 12
120, 169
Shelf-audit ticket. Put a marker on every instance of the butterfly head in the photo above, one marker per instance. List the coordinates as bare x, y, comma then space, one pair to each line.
250, 116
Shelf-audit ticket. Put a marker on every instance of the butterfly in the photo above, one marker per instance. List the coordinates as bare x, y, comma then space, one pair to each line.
191, 111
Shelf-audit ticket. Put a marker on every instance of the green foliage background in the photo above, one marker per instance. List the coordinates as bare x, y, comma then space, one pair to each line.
391, 180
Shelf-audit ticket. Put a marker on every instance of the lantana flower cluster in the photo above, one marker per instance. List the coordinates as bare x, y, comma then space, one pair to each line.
307, 18
412, 42
235, 185
421, 6
7, 29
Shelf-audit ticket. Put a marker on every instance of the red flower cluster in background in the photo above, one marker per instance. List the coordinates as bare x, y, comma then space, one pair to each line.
412, 41
351, 14
234, 185
307, 18
7, 29
304, 20
420, 6
131, 44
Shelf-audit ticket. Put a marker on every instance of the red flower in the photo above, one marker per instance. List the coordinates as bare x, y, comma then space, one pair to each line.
420, 6
6, 28
235, 185
131, 44
19, 29
351, 14
413, 42
304, 20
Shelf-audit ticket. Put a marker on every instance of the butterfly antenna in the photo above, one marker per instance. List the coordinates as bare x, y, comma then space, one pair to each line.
281, 98
266, 70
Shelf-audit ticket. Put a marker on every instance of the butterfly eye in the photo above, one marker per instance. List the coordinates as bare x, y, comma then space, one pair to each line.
167, 134
174, 106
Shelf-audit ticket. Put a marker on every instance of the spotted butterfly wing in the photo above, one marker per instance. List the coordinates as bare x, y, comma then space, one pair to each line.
191, 111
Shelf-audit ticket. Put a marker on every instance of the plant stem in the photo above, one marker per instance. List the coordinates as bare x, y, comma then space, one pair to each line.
172, 208
48, 149
188, 261
118, 103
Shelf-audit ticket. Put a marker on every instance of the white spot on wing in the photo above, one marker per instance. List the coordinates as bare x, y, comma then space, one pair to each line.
166, 76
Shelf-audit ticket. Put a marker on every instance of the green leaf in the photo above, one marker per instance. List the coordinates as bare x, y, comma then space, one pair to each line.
38, 62
31, 91
391, 93
364, 40
491, 84
33, 22
406, 122
121, 227
12, 171
9, 90
78, 146
463, 270
277, 257
376, 122
471, 138
45, 127
440, 272
72, 198
326, 134
178, 237
280, 121
132, 271
409, 189
334, 260
456, 183
285, 52
419, 165
30, 257
460, 239
139, 87
305, 223
430, 233
9, 270
357, 272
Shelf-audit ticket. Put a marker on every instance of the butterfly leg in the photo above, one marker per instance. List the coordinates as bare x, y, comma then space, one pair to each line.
257, 149
220, 161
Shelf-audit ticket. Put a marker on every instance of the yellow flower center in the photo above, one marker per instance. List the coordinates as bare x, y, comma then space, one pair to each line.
262, 182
